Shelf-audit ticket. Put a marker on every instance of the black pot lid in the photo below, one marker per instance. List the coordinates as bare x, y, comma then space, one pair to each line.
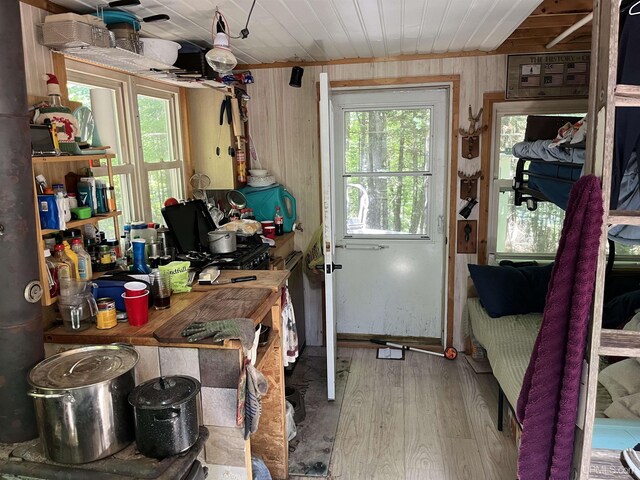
163, 392
82, 367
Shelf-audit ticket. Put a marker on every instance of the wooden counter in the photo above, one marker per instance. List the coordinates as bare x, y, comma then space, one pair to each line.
259, 300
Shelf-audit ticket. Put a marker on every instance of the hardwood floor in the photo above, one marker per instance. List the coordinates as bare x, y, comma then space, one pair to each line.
422, 418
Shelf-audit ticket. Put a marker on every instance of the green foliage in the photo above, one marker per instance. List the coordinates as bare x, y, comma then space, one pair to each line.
387, 142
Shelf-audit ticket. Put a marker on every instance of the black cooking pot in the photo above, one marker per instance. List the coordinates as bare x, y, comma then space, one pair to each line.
166, 415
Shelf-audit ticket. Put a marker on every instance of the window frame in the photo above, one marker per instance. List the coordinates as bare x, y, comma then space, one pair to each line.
498, 185
127, 88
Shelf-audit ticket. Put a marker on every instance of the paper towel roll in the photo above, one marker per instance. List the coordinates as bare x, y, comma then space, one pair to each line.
103, 107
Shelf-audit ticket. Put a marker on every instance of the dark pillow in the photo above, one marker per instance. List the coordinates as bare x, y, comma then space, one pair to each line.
618, 310
509, 290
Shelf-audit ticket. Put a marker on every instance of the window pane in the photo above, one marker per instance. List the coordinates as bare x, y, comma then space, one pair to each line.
387, 140
512, 128
387, 205
162, 185
123, 203
523, 231
81, 93
155, 129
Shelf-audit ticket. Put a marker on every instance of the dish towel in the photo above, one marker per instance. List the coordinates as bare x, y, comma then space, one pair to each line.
256, 388
548, 402
290, 332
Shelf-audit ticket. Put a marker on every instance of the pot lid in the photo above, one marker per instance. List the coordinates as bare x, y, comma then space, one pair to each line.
82, 367
164, 392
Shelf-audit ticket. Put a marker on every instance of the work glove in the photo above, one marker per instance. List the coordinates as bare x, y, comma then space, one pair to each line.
232, 328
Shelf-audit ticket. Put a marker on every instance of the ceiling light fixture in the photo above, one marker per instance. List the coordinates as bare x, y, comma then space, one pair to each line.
220, 57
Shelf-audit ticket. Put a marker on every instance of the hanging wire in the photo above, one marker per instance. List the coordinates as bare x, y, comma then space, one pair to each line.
244, 33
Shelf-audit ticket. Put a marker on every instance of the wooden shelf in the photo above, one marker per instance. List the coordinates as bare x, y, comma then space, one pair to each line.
624, 217
79, 223
619, 343
71, 158
627, 96
263, 351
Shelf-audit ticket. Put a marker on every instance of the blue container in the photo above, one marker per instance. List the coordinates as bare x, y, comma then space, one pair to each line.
264, 200
48, 210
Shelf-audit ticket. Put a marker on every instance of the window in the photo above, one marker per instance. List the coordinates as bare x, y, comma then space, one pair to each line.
148, 166
516, 230
388, 171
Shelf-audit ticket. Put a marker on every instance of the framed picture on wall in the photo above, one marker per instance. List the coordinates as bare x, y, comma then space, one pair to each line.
548, 75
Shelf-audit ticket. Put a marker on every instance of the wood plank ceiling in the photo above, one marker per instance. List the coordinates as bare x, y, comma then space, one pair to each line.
321, 31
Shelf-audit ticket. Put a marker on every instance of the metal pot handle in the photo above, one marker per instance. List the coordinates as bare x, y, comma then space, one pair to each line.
35, 394
220, 238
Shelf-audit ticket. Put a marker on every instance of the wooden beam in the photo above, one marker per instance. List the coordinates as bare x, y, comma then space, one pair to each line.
555, 20
564, 6
47, 5
377, 82
509, 49
186, 140
453, 210
544, 32
488, 100
60, 71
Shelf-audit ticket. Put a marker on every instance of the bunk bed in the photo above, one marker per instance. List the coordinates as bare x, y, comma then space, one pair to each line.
546, 174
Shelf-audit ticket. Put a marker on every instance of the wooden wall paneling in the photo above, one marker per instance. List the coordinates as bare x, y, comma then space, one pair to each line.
488, 100
60, 71
186, 140
46, 5
36, 57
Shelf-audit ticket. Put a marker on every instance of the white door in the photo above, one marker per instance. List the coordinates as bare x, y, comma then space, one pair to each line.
389, 227
326, 155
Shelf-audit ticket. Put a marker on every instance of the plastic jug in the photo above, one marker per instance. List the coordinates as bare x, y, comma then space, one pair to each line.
78, 311
264, 200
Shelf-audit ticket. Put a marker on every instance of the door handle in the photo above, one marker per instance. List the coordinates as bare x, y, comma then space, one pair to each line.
362, 247
329, 268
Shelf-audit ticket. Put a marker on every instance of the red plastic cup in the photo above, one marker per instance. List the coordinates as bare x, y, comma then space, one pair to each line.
135, 289
137, 309
269, 232
267, 223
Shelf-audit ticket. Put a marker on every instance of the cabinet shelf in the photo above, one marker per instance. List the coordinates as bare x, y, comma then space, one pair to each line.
79, 223
624, 217
71, 158
262, 354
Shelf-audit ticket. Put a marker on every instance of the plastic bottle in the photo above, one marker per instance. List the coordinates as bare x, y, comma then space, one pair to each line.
64, 214
138, 230
278, 221
111, 200
74, 259
64, 265
151, 233
72, 200
101, 197
139, 263
52, 274
85, 272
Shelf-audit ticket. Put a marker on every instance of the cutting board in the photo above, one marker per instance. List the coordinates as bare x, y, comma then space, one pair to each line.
218, 304
271, 279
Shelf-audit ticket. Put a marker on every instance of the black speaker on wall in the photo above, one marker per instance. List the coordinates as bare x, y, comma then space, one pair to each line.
296, 77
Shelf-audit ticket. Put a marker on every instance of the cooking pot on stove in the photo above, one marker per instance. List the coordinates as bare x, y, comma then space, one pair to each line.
80, 398
166, 415
222, 241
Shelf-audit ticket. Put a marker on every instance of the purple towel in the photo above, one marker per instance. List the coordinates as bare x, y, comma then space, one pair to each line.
548, 402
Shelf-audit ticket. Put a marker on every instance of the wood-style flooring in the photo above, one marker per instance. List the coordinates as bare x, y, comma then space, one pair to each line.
424, 418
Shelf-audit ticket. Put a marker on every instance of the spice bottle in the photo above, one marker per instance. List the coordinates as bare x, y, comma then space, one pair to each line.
112, 199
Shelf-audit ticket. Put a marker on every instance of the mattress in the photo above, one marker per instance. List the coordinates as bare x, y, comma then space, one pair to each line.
509, 341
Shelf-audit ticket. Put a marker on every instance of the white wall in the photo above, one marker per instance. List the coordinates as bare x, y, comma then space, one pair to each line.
37, 59
284, 128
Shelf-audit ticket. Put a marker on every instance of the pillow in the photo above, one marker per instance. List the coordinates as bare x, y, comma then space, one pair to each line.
625, 407
622, 378
619, 309
511, 291
633, 324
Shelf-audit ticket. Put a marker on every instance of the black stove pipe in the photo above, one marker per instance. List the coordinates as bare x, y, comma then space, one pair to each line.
21, 341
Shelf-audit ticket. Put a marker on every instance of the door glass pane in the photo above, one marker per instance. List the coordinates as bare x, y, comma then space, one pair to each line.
387, 205
81, 93
512, 129
162, 185
523, 231
155, 129
388, 140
